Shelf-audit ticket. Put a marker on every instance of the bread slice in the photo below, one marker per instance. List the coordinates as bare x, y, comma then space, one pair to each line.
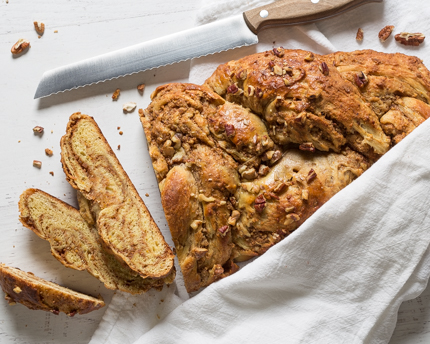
37, 293
123, 221
77, 244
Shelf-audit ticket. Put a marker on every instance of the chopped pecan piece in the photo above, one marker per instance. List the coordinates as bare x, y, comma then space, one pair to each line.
407, 38
309, 57
242, 74
249, 174
39, 27
229, 130
251, 90
324, 68
279, 52
307, 146
49, 152
115, 95
38, 129
37, 163
385, 33
291, 218
263, 170
128, 107
279, 188
223, 230
232, 89
311, 175
199, 252
360, 34
141, 88
233, 218
361, 79
20, 46
260, 203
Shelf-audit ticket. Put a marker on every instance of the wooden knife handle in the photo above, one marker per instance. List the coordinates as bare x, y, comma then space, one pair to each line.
294, 12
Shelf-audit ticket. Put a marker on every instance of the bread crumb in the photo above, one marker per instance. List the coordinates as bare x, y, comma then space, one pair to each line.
49, 152
118, 128
119, 147
19, 141
147, 194
51, 173
121, 133
55, 31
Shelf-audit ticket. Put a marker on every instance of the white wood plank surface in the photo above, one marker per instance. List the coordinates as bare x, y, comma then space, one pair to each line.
86, 28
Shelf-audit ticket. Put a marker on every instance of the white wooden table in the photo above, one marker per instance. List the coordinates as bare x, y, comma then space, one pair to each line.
86, 28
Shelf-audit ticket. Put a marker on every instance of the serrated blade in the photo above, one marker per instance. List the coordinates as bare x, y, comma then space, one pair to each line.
200, 41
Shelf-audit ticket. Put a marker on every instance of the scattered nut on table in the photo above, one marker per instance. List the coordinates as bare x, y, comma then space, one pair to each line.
385, 32
129, 107
38, 129
20, 46
49, 152
116, 94
39, 27
360, 34
407, 38
141, 88
37, 163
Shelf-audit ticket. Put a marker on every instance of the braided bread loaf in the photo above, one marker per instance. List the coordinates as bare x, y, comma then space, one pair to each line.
245, 159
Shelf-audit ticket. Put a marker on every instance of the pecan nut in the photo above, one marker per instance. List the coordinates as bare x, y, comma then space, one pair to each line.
307, 146
260, 204
311, 175
20, 46
324, 68
361, 79
385, 32
360, 34
232, 89
39, 27
406, 38
116, 94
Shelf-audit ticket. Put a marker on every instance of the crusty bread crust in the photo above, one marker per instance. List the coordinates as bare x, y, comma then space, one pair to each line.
77, 244
37, 293
123, 221
243, 160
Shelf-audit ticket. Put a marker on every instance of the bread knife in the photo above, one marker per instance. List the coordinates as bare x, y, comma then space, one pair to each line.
237, 31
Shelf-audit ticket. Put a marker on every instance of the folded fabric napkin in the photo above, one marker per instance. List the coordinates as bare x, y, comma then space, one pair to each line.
341, 277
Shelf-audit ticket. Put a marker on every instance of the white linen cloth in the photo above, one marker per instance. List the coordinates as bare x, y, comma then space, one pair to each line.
341, 277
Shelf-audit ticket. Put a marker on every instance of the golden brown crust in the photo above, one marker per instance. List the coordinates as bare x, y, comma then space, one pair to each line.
37, 293
245, 159
123, 221
301, 101
75, 241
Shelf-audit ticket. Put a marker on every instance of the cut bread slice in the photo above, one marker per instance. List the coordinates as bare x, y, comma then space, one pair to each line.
37, 293
76, 243
123, 221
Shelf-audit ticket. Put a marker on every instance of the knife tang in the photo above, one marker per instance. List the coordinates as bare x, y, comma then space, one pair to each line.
294, 12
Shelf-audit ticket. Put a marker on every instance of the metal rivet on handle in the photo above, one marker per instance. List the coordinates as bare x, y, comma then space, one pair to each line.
264, 13
315, 1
